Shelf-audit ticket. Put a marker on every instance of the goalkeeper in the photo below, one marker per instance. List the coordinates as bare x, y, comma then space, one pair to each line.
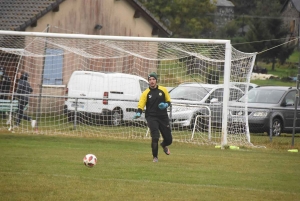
157, 100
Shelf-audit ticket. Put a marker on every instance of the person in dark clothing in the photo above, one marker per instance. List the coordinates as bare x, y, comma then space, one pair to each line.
23, 88
5, 83
157, 100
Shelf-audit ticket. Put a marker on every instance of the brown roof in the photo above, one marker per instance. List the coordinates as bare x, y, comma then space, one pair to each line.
17, 15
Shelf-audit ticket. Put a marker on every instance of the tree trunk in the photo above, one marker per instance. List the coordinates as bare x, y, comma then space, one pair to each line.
273, 63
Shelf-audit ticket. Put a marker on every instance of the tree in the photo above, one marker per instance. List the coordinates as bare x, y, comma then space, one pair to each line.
266, 28
282, 1
228, 31
186, 19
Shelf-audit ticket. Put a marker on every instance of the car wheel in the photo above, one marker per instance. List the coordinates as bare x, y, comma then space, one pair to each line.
276, 127
116, 117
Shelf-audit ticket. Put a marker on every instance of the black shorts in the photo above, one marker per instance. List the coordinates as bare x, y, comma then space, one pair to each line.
159, 125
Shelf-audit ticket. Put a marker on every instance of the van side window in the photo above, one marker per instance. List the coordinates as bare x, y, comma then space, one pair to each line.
143, 85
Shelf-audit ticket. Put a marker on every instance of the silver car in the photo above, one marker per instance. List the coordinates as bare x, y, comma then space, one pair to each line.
194, 99
242, 86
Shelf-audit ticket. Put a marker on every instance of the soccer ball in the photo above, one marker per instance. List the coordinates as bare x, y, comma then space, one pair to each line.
90, 160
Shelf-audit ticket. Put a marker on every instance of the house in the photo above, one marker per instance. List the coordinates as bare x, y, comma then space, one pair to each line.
224, 12
290, 13
92, 17
105, 17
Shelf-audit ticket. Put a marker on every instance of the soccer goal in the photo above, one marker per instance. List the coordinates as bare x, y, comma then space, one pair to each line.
109, 73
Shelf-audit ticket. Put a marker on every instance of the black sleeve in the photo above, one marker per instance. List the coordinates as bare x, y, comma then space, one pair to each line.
29, 88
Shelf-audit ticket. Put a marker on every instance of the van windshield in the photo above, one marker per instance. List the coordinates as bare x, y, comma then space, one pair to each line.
143, 85
259, 95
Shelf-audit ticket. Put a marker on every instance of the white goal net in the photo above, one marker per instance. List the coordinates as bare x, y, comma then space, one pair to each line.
87, 85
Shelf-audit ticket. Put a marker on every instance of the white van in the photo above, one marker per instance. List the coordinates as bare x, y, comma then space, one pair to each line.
106, 97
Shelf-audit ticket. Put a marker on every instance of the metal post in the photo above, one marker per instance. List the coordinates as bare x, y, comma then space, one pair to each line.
295, 112
243, 26
271, 128
41, 85
297, 95
75, 113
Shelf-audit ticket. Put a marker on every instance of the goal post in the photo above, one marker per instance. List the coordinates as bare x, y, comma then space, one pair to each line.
226, 92
89, 85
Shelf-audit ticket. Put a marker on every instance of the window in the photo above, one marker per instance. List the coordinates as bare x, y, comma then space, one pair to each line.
292, 26
218, 93
143, 85
191, 93
53, 67
290, 98
235, 94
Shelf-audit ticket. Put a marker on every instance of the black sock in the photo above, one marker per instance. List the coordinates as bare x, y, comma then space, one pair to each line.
154, 146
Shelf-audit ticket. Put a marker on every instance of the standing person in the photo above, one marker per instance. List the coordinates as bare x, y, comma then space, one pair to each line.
5, 83
23, 88
157, 100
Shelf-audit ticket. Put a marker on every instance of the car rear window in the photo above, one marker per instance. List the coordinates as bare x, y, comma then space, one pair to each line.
189, 93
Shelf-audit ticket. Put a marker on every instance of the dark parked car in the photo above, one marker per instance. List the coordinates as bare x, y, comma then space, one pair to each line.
270, 109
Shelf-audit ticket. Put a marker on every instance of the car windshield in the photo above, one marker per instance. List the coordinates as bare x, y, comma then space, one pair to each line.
259, 95
189, 93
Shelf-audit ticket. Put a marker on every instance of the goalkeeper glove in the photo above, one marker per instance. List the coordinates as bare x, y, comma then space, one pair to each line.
137, 115
163, 106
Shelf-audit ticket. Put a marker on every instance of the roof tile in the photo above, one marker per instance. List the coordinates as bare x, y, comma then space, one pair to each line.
16, 15
18, 12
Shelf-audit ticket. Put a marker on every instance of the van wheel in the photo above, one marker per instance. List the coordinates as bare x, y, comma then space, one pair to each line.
116, 117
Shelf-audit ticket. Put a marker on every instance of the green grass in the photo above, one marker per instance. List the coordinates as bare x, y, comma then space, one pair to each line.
290, 68
38, 167
294, 58
273, 83
281, 71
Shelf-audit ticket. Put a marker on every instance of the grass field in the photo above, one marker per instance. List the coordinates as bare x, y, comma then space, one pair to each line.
294, 57
38, 167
